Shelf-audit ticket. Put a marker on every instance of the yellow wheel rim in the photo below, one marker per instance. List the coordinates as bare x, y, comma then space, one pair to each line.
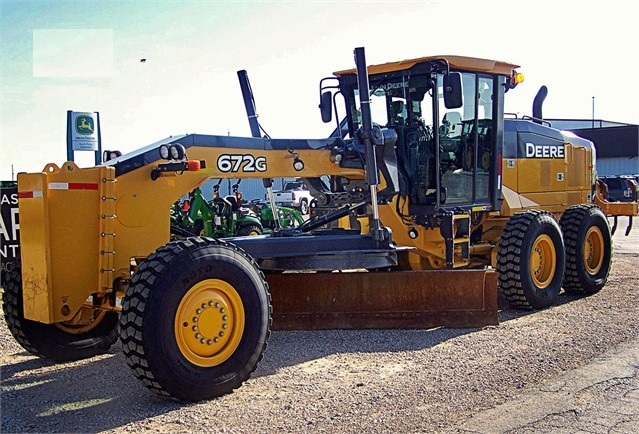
209, 322
543, 261
254, 233
593, 250
485, 160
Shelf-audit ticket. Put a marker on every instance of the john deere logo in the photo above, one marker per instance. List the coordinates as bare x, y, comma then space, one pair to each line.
84, 125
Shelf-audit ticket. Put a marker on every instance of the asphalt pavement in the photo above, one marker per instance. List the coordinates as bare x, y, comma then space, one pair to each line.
600, 397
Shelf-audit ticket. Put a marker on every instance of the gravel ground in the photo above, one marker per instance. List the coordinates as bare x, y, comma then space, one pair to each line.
374, 381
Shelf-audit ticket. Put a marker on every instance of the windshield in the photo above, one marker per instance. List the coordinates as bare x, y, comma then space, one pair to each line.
413, 105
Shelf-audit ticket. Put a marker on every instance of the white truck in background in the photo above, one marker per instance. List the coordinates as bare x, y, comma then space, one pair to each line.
294, 194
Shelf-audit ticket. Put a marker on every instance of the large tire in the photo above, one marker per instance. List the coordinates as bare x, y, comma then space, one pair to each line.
531, 260
57, 342
249, 230
588, 249
195, 319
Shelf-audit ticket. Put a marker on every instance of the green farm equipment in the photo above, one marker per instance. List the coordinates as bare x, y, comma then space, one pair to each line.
217, 218
288, 217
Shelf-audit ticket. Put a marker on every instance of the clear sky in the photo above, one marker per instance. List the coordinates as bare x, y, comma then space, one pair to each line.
85, 56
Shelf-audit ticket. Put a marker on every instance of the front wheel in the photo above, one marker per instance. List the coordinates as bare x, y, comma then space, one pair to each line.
588, 249
304, 207
531, 260
60, 342
195, 319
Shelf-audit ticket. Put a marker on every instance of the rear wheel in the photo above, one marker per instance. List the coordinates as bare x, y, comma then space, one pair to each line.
531, 260
60, 342
195, 319
249, 230
588, 249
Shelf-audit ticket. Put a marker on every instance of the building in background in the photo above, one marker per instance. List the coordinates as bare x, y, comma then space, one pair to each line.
617, 144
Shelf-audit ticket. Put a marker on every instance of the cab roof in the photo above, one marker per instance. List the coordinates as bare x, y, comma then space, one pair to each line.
456, 63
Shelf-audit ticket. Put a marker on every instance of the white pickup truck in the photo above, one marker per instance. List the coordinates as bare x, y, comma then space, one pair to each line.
294, 194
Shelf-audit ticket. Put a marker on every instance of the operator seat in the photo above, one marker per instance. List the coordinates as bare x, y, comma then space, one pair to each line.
396, 112
235, 206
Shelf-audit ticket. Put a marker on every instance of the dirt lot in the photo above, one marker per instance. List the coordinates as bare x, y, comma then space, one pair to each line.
340, 381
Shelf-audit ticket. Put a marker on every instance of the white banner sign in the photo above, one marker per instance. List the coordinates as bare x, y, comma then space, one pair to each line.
84, 131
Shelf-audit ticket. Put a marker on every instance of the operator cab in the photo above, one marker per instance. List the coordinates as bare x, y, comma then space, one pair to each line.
449, 128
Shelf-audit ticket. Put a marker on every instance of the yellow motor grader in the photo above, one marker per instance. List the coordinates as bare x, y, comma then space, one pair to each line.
428, 201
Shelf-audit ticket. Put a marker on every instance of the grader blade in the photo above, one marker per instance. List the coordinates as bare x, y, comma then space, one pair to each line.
385, 300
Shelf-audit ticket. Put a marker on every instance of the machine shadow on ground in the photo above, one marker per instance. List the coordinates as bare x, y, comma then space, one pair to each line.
32, 398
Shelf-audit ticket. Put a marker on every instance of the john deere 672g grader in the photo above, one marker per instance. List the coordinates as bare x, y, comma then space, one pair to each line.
426, 195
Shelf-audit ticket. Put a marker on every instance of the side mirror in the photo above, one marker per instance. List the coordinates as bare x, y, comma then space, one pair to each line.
452, 90
326, 106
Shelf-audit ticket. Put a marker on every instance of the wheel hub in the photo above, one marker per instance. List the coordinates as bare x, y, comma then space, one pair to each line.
209, 322
593, 250
542, 261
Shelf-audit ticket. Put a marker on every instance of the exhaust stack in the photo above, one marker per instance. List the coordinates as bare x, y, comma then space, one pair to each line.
537, 103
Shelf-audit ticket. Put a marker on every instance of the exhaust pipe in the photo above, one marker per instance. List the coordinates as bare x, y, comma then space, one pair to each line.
537, 103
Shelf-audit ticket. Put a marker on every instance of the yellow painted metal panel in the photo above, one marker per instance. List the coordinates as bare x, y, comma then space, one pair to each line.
61, 239
34, 241
541, 175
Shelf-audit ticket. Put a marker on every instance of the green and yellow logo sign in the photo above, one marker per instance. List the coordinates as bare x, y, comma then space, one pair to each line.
84, 125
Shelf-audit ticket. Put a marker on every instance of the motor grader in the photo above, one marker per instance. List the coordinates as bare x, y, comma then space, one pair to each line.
429, 201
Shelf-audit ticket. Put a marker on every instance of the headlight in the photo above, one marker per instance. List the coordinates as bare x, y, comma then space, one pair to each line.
164, 152
177, 151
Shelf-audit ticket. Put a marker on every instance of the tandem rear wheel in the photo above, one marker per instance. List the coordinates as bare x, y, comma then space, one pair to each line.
195, 319
538, 256
60, 342
531, 260
588, 249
